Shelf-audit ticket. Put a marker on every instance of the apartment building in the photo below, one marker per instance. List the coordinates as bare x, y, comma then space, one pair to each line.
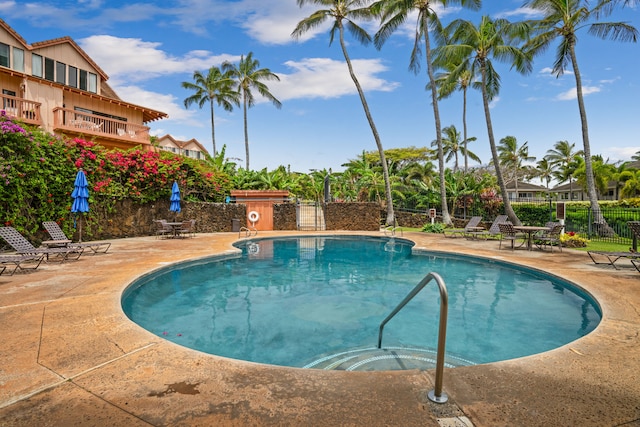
54, 84
191, 148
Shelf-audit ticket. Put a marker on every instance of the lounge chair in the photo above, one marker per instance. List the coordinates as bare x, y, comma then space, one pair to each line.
493, 232
471, 226
613, 257
24, 247
60, 239
19, 260
507, 232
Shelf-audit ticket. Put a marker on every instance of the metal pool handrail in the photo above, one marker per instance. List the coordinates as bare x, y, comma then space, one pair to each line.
436, 395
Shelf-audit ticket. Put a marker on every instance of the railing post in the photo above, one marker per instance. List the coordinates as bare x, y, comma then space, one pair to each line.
436, 395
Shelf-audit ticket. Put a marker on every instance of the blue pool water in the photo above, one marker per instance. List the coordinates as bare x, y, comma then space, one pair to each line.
289, 301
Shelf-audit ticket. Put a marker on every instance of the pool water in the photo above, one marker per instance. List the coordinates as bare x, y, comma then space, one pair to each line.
291, 301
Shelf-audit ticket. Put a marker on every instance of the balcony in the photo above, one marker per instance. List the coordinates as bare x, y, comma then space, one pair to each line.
22, 109
110, 132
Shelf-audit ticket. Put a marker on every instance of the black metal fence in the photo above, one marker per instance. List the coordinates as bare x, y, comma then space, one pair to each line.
578, 219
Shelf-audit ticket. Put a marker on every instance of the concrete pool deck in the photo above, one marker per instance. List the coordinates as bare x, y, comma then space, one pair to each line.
69, 356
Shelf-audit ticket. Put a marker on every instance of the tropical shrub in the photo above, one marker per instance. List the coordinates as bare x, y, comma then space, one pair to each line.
436, 227
37, 171
573, 240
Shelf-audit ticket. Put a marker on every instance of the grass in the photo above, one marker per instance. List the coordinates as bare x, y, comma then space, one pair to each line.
595, 245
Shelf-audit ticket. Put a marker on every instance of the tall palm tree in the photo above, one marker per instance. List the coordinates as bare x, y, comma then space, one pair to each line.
544, 171
563, 19
511, 156
216, 87
393, 13
473, 48
248, 76
342, 12
451, 146
563, 158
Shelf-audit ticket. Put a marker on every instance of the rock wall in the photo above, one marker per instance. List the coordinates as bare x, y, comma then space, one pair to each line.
129, 219
352, 216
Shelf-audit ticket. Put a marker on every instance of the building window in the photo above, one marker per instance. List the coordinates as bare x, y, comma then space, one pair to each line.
83, 80
73, 76
49, 69
36, 65
93, 83
4, 55
61, 73
18, 59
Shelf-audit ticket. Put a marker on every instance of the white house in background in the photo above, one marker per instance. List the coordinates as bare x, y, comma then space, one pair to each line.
526, 191
191, 148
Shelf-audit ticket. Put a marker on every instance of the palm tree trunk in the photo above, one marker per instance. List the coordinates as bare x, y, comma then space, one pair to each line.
385, 169
508, 210
213, 132
446, 218
246, 130
464, 128
598, 219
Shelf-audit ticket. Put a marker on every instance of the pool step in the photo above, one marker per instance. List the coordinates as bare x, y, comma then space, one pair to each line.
385, 359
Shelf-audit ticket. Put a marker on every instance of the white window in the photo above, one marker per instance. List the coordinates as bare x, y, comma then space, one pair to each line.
36, 65
18, 59
93, 83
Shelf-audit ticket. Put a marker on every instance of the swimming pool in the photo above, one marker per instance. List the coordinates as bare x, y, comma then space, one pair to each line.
297, 301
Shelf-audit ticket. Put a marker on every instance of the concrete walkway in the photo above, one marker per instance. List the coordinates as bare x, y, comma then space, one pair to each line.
70, 357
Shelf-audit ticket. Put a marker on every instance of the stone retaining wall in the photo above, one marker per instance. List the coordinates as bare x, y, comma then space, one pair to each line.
129, 219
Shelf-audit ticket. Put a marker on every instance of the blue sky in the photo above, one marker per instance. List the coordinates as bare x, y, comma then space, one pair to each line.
149, 48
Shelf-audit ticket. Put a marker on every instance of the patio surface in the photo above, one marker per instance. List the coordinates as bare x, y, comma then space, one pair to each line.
70, 357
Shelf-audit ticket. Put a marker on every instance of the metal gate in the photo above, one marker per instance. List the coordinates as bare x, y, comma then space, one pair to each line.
310, 216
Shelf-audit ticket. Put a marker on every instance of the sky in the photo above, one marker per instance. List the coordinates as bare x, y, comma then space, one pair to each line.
149, 48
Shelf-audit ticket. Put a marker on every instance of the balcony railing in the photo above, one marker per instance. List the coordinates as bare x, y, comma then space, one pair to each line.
90, 124
22, 109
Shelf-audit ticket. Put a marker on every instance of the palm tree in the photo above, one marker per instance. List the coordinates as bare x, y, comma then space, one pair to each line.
217, 87
451, 146
563, 19
544, 171
473, 48
563, 158
393, 13
603, 173
511, 156
248, 76
342, 12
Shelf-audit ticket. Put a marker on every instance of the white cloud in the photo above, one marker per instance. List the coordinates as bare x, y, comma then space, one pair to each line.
572, 94
327, 78
131, 60
521, 12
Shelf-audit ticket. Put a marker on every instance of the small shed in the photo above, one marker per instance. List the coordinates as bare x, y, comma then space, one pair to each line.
259, 205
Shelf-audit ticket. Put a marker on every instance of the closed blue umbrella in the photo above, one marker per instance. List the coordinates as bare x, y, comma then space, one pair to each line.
175, 198
80, 196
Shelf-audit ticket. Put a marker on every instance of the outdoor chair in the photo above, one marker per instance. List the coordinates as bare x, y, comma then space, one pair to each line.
507, 232
162, 228
493, 232
18, 261
60, 239
550, 237
187, 229
24, 247
471, 226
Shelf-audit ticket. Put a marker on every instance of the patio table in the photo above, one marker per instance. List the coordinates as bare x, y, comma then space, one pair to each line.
529, 230
175, 226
